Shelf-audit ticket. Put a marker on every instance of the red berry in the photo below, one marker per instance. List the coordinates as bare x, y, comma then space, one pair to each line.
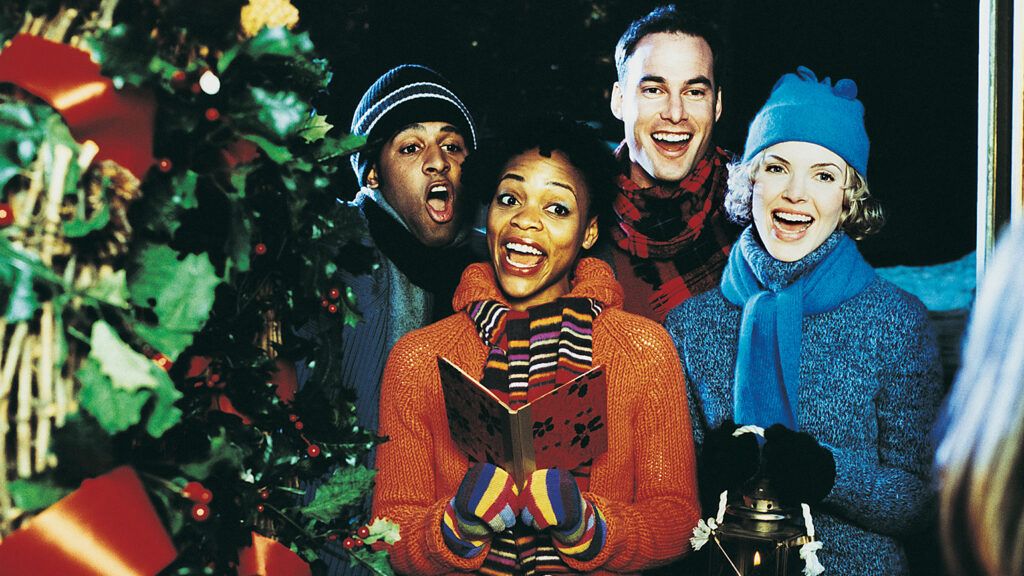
332, 537
332, 308
200, 512
212, 114
196, 88
293, 417
178, 79
325, 303
334, 293
261, 248
165, 165
299, 425
192, 490
363, 532
205, 496
260, 508
348, 543
313, 450
6, 214
215, 378
265, 494
380, 545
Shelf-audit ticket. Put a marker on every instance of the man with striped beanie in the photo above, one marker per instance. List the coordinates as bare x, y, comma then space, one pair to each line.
418, 133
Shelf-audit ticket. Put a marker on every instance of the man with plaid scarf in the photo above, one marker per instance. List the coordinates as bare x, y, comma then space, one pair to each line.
669, 236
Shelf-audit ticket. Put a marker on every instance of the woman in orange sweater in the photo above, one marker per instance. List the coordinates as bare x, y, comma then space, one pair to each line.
536, 316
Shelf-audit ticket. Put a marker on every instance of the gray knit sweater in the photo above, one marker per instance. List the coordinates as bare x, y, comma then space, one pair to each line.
870, 387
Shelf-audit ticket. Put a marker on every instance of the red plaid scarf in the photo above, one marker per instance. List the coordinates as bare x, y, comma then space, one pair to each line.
673, 242
657, 222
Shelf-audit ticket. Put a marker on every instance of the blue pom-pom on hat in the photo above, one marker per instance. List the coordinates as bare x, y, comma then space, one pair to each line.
803, 109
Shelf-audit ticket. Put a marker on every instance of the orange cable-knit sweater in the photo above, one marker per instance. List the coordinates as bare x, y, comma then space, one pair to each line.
644, 485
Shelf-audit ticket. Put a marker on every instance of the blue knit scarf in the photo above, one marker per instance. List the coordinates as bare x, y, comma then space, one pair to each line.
775, 297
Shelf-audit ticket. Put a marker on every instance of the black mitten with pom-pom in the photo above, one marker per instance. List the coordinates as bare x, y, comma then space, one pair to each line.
726, 461
799, 468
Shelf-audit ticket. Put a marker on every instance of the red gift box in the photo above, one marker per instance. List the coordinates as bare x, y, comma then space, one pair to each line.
107, 527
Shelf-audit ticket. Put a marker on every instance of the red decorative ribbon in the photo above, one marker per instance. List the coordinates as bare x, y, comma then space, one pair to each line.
268, 557
105, 528
120, 122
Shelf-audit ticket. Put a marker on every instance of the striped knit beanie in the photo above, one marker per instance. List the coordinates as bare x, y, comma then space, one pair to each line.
403, 95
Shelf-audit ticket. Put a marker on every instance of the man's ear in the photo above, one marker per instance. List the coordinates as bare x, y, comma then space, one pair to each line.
616, 102
590, 234
718, 104
371, 177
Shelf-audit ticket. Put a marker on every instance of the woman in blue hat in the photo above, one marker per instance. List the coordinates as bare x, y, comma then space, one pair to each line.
804, 340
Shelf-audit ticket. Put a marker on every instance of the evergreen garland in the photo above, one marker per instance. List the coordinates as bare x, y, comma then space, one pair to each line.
183, 338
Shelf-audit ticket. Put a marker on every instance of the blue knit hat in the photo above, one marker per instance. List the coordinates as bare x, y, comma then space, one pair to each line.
403, 95
802, 109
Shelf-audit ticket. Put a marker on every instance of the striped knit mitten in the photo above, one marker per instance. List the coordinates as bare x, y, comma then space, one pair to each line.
484, 504
551, 499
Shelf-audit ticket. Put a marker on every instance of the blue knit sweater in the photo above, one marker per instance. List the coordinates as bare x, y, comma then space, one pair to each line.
870, 388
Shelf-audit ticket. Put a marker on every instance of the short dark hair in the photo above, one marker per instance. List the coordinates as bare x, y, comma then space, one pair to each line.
672, 20
590, 155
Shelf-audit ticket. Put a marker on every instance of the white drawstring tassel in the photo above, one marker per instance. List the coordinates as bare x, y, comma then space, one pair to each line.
705, 528
702, 532
809, 551
722, 499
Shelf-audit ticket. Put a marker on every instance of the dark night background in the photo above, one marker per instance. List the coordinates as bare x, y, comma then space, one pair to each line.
915, 63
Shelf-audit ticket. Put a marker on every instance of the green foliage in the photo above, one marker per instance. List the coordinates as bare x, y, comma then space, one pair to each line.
277, 114
122, 54
33, 495
179, 290
115, 409
224, 238
376, 561
345, 487
315, 128
222, 452
117, 382
17, 273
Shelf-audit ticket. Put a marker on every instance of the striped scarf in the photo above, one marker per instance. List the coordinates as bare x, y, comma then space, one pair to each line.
529, 354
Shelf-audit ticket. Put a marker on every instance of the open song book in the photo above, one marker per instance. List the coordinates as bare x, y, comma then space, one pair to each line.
564, 428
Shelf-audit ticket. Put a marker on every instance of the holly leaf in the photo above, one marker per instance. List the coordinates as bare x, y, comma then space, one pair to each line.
382, 529
179, 290
117, 382
333, 147
376, 561
315, 128
277, 114
185, 190
115, 409
22, 129
32, 495
276, 152
123, 53
221, 450
127, 369
111, 289
22, 302
165, 414
278, 41
345, 487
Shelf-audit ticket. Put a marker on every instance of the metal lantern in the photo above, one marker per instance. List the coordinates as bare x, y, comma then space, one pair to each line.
758, 537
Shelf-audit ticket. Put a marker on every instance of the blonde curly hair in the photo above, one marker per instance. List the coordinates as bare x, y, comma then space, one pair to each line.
862, 215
